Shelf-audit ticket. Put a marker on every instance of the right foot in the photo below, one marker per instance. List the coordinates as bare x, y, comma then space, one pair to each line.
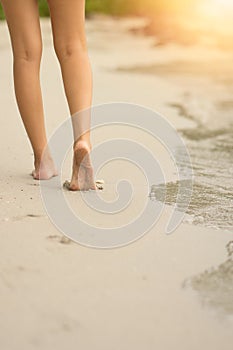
82, 176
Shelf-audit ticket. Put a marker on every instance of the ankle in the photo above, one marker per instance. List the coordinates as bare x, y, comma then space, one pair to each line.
82, 142
41, 157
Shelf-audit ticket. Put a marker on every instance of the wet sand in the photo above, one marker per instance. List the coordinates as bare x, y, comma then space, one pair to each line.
153, 293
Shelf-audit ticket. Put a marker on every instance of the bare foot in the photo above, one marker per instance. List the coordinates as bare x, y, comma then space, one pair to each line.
44, 168
82, 176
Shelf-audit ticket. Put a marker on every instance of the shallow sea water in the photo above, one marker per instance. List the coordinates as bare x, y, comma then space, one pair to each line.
211, 202
211, 205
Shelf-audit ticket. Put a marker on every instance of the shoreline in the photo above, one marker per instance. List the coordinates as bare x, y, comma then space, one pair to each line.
56, 293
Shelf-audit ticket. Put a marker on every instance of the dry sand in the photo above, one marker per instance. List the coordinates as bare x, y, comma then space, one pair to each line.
55, 293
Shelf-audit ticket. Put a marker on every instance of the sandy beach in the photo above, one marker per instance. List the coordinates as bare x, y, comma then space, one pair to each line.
162, 291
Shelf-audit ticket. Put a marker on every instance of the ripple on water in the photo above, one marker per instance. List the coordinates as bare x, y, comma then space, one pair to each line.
215, 286
211, 202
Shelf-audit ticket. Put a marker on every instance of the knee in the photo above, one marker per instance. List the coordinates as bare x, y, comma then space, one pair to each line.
29, 53
66, 49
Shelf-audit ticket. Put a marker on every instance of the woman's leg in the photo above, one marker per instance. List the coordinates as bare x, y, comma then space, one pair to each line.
68, 25
24, 27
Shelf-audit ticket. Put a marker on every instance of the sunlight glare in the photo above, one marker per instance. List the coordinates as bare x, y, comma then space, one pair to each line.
217, 8
220, 5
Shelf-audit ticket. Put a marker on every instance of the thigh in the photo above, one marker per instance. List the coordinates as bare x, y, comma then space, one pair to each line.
68, 22
22, 18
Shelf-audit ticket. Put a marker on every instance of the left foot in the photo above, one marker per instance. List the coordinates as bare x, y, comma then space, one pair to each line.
44, 168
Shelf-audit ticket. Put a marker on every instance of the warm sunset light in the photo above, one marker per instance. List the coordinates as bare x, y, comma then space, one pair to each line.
217, 7
223, 3
217, 15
